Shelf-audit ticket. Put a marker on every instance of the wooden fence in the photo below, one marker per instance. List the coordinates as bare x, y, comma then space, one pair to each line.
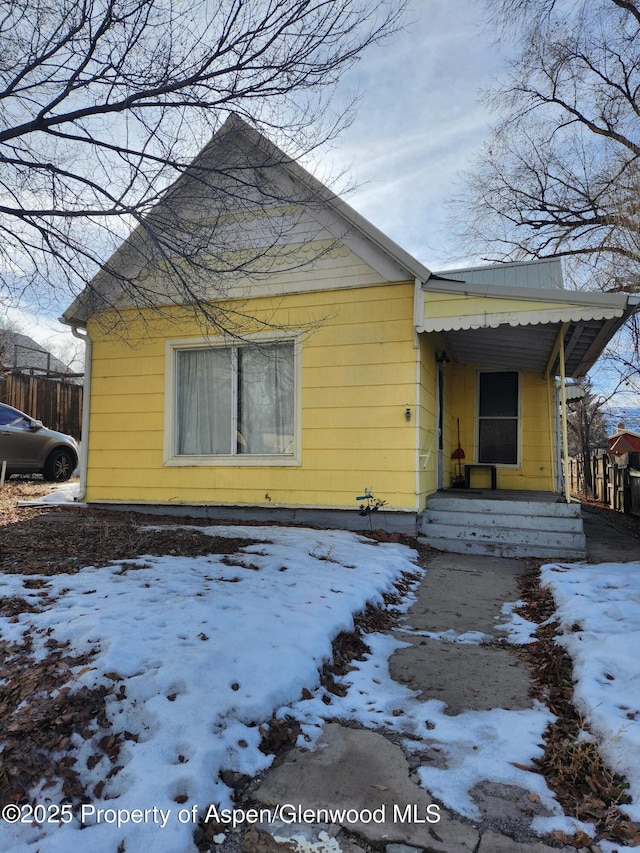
616, 480
57, 403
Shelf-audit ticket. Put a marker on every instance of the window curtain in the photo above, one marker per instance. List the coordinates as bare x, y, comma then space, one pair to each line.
266, 398
204, 401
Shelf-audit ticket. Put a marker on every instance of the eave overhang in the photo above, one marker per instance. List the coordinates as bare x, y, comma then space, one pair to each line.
519, 328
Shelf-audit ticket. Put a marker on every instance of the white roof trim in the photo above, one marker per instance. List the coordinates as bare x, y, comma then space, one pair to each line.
570, 314
528, 294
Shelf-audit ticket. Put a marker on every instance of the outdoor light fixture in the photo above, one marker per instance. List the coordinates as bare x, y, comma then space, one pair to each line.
407, 414
442, 358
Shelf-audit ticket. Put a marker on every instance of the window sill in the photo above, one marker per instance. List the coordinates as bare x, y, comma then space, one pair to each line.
510, 466
242, 461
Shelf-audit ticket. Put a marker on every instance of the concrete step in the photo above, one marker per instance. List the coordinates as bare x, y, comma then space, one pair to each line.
506, 528
502, 549
475, 519
504, 507
508, 535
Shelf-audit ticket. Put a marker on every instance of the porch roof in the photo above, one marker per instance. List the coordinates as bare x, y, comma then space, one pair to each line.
495, 327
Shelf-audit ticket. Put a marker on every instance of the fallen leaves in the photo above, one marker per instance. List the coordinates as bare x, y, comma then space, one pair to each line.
51, 541
278, 736
15, 490
39, 716
571, 763
44, 712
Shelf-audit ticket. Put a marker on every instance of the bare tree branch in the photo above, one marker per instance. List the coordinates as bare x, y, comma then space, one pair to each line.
104, 103
560, 175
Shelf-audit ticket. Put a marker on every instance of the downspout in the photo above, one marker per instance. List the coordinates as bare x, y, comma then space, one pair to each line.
563, 410
418, 327
86, 396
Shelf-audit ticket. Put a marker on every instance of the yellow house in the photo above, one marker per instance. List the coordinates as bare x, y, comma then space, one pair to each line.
329, 361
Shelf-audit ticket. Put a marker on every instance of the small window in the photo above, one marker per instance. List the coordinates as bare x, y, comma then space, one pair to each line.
498, 418
235, 401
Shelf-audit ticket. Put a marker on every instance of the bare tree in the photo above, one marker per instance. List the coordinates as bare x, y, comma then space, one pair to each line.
103, 104
587, 430
560, 175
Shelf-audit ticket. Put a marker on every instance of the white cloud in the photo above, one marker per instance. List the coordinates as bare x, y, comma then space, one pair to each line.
419, 124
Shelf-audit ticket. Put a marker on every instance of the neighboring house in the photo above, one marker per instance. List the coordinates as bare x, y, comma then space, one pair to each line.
372, 364
624, 441
36, 382
21, 354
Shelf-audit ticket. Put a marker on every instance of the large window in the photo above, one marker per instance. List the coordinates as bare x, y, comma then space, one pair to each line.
498, 418
235, 401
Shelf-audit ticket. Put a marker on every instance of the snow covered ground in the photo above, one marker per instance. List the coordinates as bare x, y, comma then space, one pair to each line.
209, 650
211, 647
598, 608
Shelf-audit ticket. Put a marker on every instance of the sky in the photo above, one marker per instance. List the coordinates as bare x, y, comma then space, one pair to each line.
420, 124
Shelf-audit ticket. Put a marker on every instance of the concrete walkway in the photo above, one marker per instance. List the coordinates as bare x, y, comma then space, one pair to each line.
463, 592
369, 773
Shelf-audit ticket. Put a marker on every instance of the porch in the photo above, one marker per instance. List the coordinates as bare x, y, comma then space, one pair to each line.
504, 523
524, 336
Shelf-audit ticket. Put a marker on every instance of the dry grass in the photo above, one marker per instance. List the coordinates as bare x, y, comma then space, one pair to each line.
15, 490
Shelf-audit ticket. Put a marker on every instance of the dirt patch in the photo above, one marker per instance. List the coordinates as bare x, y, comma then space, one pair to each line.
43, 712
20, 490
48, 542
39, 717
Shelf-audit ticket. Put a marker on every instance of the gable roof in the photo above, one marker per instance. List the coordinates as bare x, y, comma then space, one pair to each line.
236, 147
524, 306
624, 441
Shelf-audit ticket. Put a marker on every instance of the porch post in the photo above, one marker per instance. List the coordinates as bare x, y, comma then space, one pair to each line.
563, 411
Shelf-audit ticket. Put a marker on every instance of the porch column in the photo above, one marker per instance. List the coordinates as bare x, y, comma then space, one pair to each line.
563, 413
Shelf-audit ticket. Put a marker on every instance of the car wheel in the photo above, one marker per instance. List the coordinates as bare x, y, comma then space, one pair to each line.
59, 466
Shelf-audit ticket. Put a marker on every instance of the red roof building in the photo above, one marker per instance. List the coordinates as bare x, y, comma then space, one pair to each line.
624, 441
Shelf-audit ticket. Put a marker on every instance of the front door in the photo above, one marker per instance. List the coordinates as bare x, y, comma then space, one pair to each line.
498, 417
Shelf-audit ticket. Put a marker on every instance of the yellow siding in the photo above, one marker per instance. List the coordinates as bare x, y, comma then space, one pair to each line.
361, 369
358, 376
453, 305
536, 440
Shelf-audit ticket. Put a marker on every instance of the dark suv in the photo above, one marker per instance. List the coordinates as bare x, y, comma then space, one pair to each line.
28, 447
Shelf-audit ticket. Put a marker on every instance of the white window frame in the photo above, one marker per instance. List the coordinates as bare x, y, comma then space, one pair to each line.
518, 462
170, 456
